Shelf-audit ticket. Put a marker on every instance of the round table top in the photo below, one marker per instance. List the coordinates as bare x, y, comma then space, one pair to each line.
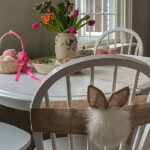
19, 95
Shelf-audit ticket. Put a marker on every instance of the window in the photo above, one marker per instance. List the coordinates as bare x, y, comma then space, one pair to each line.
107, 13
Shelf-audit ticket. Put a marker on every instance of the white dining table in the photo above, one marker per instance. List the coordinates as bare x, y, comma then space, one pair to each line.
19, 94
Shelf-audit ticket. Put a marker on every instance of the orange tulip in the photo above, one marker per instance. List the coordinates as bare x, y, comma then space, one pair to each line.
47, 18
52, 16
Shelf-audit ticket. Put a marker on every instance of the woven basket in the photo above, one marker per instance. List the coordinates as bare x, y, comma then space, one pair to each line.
7, 67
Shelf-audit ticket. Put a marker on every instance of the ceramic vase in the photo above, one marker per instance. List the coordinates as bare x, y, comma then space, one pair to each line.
65, 45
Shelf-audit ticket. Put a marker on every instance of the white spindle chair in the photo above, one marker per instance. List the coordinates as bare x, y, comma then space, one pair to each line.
120, 35
13, 138
65, 70
133, 45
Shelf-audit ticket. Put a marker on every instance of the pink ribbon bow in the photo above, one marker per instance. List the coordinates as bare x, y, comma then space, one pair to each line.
23, 62
23, 66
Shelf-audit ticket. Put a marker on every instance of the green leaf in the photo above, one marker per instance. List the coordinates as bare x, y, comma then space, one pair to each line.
62, 44
75, 20
63, 19
38, 7
59, 22
47, 2
50, 61
82, 52
80, 22
50, 27
71, 21
62, 7
71, 41
66, 31
69, 44
82, 25
53, 23
42, 11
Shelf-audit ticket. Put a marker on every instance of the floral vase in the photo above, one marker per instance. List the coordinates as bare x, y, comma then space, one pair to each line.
65, 45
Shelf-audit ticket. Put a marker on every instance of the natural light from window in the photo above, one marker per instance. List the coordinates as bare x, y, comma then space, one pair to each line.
103, 11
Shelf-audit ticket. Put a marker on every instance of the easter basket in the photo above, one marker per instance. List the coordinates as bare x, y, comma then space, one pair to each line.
10, 66
7, 67
18, 63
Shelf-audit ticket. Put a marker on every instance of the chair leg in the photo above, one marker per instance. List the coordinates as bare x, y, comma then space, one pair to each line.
38, 139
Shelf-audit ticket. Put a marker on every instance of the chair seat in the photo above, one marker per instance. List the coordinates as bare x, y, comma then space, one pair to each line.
80, 142
13, 138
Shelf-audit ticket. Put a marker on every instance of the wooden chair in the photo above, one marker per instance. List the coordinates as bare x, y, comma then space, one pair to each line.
67, 117
13, 138
122, 36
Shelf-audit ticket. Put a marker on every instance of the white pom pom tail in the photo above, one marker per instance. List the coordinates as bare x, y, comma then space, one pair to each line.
108, 127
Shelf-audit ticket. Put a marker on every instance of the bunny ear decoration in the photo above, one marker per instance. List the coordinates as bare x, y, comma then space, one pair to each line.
119, 98
96, 98
107, 124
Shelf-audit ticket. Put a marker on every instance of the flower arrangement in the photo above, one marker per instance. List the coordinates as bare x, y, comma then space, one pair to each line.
62, 18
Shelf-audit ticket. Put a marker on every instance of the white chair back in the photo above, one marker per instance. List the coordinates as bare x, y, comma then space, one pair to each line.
91, 62
128, 41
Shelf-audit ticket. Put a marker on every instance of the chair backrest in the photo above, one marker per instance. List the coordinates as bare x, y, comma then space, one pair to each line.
129, 41
68, 117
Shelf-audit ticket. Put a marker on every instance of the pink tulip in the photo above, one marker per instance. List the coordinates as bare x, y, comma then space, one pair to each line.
75, 13
70, 8
73, 30
36, 25
100, 51
112, 51
91, 23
